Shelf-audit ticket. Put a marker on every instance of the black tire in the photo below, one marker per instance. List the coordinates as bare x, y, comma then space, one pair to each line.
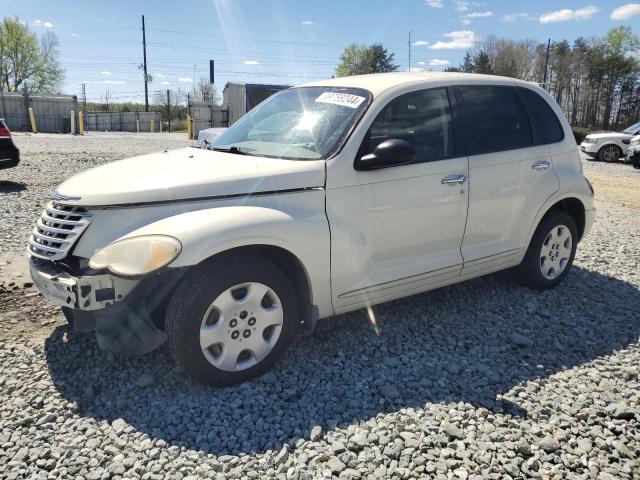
529, 273
196, 292
602, 153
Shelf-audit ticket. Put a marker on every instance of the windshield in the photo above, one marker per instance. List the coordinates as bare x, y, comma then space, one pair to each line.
632, 128
306, 123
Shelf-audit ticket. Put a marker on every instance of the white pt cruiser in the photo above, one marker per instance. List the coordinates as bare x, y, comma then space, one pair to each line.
326, 198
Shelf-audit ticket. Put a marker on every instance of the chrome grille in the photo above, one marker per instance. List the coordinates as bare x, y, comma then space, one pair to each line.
57, 229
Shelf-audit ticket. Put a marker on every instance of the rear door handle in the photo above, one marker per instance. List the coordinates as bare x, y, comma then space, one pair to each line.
454, 180
541, 165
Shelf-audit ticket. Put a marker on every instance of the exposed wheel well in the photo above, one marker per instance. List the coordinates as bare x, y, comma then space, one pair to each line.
573, 207
290, 265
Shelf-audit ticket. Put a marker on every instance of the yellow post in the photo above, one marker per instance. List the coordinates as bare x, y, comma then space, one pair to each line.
160, 125
189, 127
33, 120
137, 126
81, 122
193, 129
151, 129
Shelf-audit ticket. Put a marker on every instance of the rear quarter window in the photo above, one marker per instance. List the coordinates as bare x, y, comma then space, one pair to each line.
545, 126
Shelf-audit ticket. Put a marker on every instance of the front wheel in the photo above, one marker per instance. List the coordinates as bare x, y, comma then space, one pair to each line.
550, 253
230, 320
610, 153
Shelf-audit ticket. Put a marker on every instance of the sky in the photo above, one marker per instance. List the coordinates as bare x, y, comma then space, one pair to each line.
285, 41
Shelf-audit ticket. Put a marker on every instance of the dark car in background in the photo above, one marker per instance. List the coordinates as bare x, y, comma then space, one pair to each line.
9, 153
633, 152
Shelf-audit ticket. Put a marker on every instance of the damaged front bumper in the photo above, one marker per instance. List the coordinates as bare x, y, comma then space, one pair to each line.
87, 293
126, 314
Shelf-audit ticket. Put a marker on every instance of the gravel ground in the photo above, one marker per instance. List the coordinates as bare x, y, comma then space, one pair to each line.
478, 380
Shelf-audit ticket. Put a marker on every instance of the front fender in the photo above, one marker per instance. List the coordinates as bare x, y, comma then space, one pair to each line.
297, 228
203, 233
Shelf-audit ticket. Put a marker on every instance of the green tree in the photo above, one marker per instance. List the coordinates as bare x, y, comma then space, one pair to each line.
361, 59
26, 61
482, 63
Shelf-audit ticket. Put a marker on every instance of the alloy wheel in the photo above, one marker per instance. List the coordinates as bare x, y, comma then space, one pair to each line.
611, 153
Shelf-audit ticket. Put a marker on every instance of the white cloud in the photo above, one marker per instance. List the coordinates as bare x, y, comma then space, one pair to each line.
308, 23
107, 82
417, 69
625, 11
185, 79
434, 3
105, 72
159, 75
567, 14
75, 35
462, 6
251, 62
460, 39
165, 83
465, 21
41, 23
420, 43
421, 63
479, 14
512, 17
438, 62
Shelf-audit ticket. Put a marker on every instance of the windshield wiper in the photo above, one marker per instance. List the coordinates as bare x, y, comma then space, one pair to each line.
233, 149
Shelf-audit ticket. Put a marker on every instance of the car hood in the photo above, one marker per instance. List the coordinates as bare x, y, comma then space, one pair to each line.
187, 173
610, 136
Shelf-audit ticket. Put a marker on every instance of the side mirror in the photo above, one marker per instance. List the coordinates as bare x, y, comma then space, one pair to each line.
388, 153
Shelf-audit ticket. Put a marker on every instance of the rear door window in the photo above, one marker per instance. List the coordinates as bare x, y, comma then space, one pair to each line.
494, 117
545, 126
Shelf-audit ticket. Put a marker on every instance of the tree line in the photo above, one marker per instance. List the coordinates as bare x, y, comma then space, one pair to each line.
596, 81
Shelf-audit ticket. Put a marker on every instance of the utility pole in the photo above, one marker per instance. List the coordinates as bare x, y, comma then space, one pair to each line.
146, 77
409, 43
546, 64
169, 109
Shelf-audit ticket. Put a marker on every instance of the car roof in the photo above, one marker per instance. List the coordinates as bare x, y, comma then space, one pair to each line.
377, 83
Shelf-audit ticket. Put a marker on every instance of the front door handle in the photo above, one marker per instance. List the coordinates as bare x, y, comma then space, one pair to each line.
541, 165
454, 180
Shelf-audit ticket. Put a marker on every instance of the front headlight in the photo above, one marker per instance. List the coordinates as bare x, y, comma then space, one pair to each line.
136, 256
590, 140
635, 143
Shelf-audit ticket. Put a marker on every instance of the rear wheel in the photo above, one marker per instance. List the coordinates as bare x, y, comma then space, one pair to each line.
230, 320
610, 153
550, 253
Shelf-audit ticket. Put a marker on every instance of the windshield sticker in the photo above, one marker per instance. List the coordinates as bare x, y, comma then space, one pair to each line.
342, 99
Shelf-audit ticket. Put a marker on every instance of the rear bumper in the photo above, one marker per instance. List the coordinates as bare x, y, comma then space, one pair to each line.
589, 148
9, 158
589, 218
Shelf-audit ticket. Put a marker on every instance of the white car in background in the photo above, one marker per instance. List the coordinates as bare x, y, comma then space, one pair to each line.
609, 146
208, 135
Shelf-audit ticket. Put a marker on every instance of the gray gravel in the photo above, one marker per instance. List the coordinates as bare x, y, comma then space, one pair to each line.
478, 380
48, 159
